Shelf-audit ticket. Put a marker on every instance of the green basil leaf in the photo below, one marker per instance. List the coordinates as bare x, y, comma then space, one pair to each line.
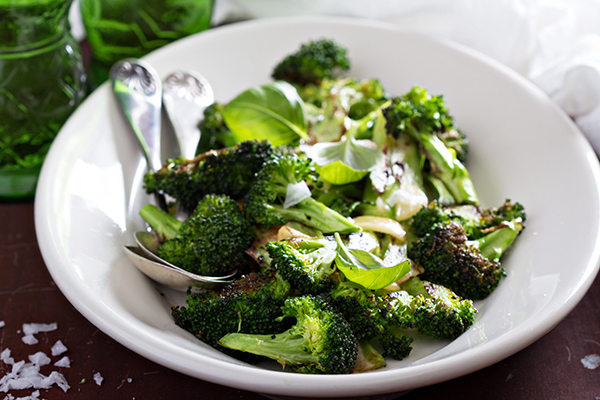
343, 162
366, 269
273, 111
338, 173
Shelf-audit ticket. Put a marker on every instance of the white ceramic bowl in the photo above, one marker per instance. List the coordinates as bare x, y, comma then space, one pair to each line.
523, 148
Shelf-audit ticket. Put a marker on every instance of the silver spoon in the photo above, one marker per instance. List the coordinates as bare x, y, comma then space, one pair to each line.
185, 96
138, 90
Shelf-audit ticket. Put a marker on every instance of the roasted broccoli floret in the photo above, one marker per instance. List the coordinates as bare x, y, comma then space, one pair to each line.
395, 343
424, 118
313, 62
370, 318
214, 132
476, 220
470, 268
251, 304
306, 263
210, 242
437, 311
320, 342
360, 307
280, 194
228, 171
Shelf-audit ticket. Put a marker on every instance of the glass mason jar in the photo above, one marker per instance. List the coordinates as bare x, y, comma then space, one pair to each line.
42, 80
118, 29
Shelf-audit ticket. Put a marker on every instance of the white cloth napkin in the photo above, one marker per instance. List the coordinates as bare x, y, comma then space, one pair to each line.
554, 43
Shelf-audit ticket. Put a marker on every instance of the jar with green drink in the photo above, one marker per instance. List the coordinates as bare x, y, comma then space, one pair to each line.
42, 81
118, 29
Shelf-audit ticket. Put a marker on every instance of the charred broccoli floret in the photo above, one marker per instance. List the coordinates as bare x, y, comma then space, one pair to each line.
424, 118
306, 263
210, 242
228, 171
251, 304
469, 268
280, 194
313, 62
320, 342
476, 221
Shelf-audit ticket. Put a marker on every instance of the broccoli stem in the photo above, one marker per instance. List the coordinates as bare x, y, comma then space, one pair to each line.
495, 243
315, 214
165, 225
437, 191
368, 358
447, 167
286, 348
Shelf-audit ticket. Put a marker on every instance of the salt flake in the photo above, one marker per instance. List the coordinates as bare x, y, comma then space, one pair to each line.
63, 362
6, 358
591, 361
58, 348
27, 375
98, 378
32, 329
39, 358
29, 339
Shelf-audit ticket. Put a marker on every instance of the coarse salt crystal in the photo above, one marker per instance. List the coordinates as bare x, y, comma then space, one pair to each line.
56, 378
33, 396
39, 358
6, 358
2, 324
63, 362
58, 348
27, 375
98, 378
591, 361
34, 328
29, 339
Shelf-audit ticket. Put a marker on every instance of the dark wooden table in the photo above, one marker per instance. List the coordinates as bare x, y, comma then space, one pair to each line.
549, 369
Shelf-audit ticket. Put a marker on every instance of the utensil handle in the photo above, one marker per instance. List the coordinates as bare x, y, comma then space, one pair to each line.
138, 90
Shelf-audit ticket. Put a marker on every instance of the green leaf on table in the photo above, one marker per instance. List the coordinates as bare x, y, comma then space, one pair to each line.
366, 269
273, 111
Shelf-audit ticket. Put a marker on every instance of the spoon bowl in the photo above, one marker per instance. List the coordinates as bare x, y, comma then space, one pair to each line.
177, 280
148, 244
